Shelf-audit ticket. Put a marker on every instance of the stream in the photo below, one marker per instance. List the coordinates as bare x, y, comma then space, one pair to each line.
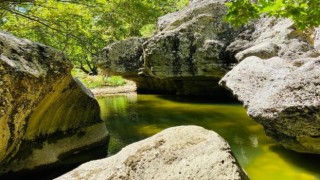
130, 118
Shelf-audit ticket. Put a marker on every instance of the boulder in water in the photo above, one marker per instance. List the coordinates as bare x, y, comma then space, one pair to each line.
185, 152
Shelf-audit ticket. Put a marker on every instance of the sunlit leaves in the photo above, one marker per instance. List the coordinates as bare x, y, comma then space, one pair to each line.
240, 11
82, 28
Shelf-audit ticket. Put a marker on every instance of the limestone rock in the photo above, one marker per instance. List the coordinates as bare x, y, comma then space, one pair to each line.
191, 42
194, 48
123, 57
283, 96
278, 81
196, 7
44, 112
268, 37
187, 49
264, 50
186, 152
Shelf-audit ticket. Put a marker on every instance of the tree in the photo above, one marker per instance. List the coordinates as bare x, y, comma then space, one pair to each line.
305, 13
81, 28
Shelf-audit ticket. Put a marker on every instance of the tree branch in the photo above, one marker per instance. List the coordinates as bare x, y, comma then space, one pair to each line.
41, 22
32, 19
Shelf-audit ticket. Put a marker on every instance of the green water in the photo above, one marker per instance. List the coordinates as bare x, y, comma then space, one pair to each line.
130, 118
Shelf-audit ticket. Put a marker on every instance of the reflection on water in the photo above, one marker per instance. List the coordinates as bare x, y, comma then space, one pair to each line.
130, 118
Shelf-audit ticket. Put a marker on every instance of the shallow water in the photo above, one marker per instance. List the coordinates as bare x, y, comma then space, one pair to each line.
130, 118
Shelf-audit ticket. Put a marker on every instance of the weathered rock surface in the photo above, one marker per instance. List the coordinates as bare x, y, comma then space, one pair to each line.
123, 57
44, 112
195, 46
186, 152
278, 81
191, 42
283, 96
188, 49
270, 37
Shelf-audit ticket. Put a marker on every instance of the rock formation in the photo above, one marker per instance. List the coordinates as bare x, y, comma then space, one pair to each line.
269, 37
185, 152
45, 114
278, 80
283, 96
194, 48
186, 56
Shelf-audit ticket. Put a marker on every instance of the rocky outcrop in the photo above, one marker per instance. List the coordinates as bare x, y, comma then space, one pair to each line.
45, 114
123, 57
186, 152
190, 42
187, 52
278, 81
269, 37
194, 48
283, 96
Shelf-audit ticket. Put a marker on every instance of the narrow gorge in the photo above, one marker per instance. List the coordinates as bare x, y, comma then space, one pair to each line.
213, 102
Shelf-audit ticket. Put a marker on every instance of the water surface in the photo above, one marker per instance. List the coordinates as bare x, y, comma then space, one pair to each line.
130, 118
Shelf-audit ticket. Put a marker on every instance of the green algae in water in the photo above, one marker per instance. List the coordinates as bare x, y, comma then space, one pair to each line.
131, 118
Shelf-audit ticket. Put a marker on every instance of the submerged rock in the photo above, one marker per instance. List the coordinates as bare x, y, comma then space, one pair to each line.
186, 152
184, 57
45, 114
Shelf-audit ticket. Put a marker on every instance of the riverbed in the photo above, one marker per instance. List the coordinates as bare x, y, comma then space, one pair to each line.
132, 117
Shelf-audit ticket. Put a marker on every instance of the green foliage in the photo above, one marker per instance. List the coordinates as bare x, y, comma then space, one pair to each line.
240, 12
305, 13
89, 81
148, 30
82, 28
115, 81
93, 81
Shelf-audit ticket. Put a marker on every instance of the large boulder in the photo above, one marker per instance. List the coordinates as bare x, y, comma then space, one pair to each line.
190, 42
184, 56
282, 95
45, 114
278, 80
186, 152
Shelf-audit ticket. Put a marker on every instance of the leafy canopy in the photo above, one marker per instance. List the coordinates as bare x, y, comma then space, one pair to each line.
81, 28
305, 13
